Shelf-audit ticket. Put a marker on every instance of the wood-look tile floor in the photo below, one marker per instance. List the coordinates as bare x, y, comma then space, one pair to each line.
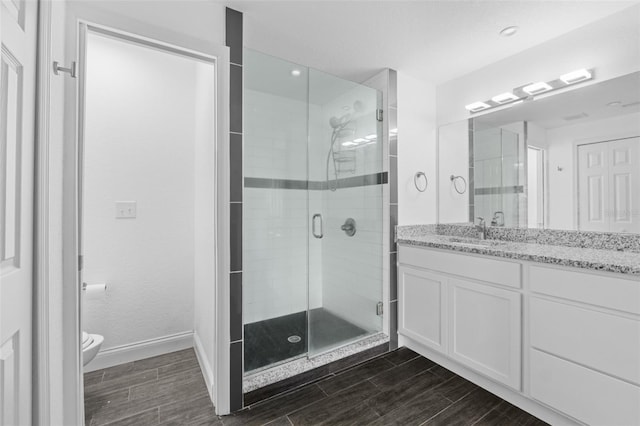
400, 388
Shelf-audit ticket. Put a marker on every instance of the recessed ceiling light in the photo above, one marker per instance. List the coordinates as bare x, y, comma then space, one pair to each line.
576, 76
614, 104
535, 88
503, 98
477, 106
509, 31
295, 73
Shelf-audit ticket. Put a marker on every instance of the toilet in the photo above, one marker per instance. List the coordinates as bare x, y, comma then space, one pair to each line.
90, 346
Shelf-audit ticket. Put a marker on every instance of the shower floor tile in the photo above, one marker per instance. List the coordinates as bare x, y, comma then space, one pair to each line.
266, 342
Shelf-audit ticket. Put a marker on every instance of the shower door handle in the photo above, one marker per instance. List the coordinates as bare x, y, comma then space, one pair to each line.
313, 225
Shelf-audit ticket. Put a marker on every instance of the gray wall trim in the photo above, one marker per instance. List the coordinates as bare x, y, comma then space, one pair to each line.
494, 190
351, 182
392, 117
472, 165
234, 40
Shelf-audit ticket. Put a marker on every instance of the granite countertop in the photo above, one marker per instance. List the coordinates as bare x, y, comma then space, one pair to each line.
624, 262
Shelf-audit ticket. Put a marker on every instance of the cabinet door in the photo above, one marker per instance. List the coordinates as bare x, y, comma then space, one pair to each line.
422, 307
485, 330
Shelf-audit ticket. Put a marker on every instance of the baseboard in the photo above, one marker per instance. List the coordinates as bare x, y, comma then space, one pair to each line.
205, 367
140, 350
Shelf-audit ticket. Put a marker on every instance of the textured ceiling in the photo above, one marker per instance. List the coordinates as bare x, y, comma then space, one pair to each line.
434, 41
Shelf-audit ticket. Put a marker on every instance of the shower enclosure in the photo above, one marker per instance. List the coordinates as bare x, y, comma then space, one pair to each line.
313, 163
499, 175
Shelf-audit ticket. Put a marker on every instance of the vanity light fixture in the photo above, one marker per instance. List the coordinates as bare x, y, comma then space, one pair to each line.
504, 98
371, 137
349, 143
477, 106
537, 88
360, 140
528, 91
576, 76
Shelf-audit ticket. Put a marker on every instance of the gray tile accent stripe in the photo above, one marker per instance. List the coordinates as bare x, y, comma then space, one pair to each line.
235, 308
233, 35
233, 39
236, 375
392, 116
351, 182
519, 189
235, 172
253, 182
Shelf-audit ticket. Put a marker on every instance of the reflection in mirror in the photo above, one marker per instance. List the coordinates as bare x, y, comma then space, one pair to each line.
567, 161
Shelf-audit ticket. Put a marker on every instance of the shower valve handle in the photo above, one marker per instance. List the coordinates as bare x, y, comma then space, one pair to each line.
349, 227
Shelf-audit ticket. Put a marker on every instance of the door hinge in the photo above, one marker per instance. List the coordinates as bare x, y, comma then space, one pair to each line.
72, 70
379, 114
80, 262
379, 309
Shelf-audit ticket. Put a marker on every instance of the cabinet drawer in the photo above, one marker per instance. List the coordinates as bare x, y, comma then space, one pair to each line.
600, 290
605, 342
479, 268
591, 397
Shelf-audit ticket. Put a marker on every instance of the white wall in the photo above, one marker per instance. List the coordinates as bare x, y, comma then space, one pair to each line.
561, 154
140, 132
351, 266
416, 149
453, 155
611, 46
204, 213
275, 228
201, 28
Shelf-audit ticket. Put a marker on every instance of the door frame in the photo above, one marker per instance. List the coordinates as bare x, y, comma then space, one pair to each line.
47, 238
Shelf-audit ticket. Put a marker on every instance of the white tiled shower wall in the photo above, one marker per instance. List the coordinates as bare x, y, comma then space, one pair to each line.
280, 253
351, 266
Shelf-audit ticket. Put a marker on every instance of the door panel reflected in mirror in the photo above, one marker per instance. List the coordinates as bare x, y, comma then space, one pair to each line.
569, 161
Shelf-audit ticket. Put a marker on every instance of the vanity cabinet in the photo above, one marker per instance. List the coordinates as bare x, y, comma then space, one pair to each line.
485, 330
422, 314
584, 345
562, 343
475, 323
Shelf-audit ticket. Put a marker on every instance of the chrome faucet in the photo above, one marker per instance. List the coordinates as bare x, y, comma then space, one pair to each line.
481, 227
498, 220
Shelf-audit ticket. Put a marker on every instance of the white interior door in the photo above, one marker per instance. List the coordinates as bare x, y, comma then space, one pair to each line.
624, 185
17, 121
593, 184
608, 182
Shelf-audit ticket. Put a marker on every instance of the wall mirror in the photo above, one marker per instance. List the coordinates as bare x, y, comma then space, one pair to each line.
566, 161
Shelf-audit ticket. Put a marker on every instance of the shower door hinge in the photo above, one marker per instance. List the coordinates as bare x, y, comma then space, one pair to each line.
379, 114
379, 308
80, 262
72, 70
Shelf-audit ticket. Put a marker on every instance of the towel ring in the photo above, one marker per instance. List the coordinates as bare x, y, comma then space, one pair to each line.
416, 181
454, 179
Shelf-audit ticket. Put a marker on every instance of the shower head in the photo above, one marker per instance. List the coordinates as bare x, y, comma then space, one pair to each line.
338, 123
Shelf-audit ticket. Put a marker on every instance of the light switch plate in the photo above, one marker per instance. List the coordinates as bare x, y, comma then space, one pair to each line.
126, 209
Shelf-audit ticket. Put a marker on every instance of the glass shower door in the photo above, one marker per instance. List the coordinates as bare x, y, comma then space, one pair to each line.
345, 212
